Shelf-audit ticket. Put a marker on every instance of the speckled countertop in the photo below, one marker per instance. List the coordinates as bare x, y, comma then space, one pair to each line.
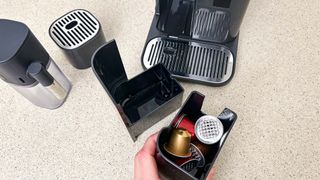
275, 91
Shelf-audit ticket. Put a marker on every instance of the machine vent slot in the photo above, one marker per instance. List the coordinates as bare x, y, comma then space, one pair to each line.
211, 25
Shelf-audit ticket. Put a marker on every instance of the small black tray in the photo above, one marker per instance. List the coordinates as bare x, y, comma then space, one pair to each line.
192, 108
79, 34
142, 101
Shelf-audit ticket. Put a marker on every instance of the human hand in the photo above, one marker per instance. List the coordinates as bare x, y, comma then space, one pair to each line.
145, 166
212, 173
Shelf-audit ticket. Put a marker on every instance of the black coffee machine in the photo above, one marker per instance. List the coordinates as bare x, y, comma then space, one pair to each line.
196, 40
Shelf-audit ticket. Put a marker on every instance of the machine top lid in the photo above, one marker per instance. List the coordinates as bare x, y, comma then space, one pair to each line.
12, 35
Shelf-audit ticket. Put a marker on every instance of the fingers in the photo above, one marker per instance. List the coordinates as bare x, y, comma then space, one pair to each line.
212, 173
145, 166
150, 145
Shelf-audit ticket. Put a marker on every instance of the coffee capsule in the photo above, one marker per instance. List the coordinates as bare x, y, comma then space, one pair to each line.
208, 129
179, 143
196, 155
185, 123
190, 165
203, 148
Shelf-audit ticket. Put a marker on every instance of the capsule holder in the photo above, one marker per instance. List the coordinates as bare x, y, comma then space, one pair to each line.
202, 158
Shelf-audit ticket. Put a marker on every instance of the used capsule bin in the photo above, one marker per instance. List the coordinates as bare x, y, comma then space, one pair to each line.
141, 101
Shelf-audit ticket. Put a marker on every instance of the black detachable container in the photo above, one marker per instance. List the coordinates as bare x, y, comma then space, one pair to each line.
196, 40
79, 34
192, 108
141, 101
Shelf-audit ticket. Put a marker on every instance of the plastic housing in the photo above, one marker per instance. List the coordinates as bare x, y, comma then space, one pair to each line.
196, 40
141, 101
79, 34
192, 108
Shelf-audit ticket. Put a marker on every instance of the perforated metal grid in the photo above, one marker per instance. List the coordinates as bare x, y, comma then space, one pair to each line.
209, 129
203, 62
74, 29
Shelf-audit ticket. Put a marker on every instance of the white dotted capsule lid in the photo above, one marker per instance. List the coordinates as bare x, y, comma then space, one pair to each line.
208, 129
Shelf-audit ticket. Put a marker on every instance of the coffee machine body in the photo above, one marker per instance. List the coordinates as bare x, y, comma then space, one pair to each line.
218, 20
196, 40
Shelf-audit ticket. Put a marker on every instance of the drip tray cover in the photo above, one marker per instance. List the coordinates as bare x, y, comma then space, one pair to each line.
79, 34
190, 60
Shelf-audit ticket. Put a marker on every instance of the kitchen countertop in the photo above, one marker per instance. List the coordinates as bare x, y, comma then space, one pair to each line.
275, 91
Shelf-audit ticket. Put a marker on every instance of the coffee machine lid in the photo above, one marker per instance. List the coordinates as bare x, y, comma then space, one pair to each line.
18, 49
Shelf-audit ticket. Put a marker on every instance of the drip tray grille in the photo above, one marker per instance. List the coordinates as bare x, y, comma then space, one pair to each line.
74, 29
196, 61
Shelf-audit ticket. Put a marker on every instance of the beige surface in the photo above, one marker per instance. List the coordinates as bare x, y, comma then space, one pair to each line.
275, 91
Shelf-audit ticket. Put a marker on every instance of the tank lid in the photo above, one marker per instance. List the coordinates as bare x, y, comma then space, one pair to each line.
12, 35
18, 49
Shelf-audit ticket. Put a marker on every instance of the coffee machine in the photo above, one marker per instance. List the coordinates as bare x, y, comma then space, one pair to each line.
196, 40
28, 68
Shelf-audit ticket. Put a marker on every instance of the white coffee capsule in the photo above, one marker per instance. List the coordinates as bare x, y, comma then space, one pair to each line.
208, 129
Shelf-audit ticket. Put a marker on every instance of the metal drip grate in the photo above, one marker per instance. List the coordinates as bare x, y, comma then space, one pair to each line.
190, 60
211, 25
74, 29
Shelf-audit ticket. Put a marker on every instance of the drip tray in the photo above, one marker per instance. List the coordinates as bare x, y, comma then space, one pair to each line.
190, 60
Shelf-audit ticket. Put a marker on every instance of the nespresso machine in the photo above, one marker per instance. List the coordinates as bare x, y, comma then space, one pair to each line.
196, 40
28, 68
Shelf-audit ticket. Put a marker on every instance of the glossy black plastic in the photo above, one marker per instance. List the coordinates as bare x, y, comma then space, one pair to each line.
141, 101
40, 73
177, 17
192, 107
